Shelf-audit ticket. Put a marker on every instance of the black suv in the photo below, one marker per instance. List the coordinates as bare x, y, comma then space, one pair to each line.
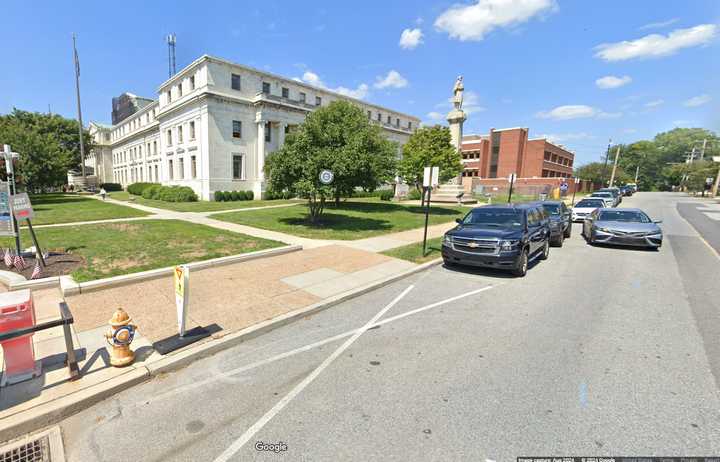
499, 236
560, 221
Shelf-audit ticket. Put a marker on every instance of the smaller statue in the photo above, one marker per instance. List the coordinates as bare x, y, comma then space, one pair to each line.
458, 90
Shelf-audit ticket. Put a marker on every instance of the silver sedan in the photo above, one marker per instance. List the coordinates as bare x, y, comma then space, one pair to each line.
624, 226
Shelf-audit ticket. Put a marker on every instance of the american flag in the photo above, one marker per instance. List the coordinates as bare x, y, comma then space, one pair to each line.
8, 258
19, 262
37, 271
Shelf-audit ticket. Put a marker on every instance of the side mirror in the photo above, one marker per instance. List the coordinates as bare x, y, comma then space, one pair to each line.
458, 220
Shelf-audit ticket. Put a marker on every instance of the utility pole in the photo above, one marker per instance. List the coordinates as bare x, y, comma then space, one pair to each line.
79, 110
607, 156
612, 177
692, 156
702, 153
637, 172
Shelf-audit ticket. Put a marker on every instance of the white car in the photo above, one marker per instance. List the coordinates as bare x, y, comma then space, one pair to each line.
586, 206
605, 196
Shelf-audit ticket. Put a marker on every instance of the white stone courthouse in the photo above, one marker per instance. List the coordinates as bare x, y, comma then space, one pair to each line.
212, 126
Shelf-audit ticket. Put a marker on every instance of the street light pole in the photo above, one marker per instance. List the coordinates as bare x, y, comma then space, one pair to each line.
607, 156
79, 111
612, 177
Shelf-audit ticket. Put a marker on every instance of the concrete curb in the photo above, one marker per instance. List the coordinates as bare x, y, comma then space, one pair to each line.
61, 408
69, 286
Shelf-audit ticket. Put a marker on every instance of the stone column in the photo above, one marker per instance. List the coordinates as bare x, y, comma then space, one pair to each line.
258, 185
456, 118
281, 134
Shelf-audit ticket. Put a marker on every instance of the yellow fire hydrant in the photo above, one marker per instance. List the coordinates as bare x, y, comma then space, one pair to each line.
119, 337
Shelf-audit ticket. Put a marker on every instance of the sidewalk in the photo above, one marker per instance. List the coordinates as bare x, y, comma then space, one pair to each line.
226, 299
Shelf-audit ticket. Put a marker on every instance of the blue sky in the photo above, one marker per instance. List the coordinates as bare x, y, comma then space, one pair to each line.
581, 72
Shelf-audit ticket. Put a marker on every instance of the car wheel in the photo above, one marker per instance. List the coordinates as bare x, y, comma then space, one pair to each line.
448, 263
559, 241
546, 251
568, 230
521, 269
591, 239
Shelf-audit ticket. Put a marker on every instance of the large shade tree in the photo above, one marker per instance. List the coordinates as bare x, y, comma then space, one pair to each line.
339, 138
48, 144
429, 147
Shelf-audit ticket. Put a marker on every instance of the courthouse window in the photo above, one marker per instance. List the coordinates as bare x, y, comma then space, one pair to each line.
235, 82
237, 166
266, 88
237, 129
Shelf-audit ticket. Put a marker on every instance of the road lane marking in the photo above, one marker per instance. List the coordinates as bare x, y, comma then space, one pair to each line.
583, 394
257, 426
287, 354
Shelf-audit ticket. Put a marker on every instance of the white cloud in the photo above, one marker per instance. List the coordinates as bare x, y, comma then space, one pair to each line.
571, 111
309, 77
657, 45
473, 22
393, 79
576, 111
683, 123
655, 103
565, 137
696, 101
610, 81
436, 116
410, 38
659, 25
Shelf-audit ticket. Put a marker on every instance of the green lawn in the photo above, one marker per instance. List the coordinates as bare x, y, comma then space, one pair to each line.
414, 252
67, 208
110, 249
199, 206
351, 220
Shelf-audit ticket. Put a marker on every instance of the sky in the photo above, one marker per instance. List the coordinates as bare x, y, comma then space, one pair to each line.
578, 72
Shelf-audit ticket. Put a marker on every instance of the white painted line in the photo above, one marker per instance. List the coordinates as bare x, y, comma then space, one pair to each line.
228, 374
245, 437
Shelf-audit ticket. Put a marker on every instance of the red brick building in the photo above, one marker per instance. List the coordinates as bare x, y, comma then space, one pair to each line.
490, 159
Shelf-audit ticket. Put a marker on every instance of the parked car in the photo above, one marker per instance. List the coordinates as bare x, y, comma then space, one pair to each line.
499, 236
633, 187
606, 196
560, 221
617, 195
626, 190
625, 226
586, 206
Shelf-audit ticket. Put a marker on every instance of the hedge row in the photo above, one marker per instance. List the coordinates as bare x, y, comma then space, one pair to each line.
383, 194
136, 189
227, 196
169, 193
274, 195
109, 187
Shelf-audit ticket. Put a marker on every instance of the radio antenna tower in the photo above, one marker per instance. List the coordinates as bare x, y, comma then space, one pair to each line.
171, 54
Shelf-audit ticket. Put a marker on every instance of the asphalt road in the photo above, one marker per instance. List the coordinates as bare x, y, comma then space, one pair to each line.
598, 351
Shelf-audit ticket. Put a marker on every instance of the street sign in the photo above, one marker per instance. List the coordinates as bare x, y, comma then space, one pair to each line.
6, 222
563, 187
577, 180
512, 177
431, 177
326, 177
181, 277
21, 206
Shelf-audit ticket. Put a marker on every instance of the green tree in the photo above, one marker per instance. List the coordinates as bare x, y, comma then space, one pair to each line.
429, 147
48, 145
337, 137
599, 174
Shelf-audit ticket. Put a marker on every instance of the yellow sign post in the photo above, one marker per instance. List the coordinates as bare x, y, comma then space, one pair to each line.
181, 277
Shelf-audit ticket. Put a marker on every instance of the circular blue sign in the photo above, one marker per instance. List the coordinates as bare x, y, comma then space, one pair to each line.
326, 177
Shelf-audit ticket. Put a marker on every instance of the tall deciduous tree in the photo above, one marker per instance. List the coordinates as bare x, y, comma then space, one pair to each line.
430, 147
597, 173
49, 146
339, 138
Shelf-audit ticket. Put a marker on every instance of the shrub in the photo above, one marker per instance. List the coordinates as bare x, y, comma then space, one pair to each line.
151, 192
234, 196
109, 187
414, 194
386, 194
177, 194
137, 189
219, 196
249, 195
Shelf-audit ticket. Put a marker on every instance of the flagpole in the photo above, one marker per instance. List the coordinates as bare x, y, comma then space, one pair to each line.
79, 110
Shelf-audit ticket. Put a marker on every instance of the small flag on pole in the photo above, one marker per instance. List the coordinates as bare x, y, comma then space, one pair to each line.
19, 262
8, 258
37, 271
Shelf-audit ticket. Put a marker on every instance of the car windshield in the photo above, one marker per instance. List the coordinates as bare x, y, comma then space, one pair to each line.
494, 218
588, 203
552, 209
629, 216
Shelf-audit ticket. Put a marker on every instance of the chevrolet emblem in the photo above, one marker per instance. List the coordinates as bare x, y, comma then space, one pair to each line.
473, 245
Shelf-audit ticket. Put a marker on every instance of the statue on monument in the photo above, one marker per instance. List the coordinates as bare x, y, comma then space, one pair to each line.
458, 90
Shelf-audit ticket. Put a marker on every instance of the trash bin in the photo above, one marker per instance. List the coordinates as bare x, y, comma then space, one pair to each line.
17, 312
